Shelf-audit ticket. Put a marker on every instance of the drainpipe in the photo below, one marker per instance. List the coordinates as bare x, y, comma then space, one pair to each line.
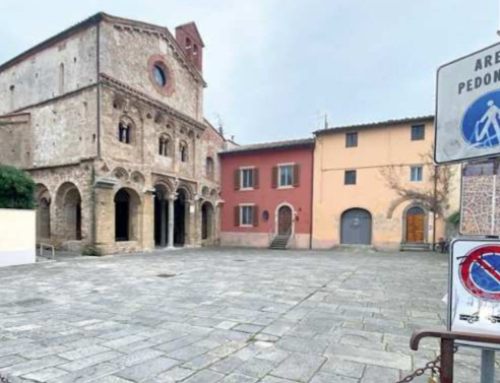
312, 199
434, 216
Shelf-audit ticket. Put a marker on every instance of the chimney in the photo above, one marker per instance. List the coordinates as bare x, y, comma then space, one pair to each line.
189, 39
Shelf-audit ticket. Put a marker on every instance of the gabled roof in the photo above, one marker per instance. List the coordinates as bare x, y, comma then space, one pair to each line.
94, 20
266, 146
402, 121
192, 26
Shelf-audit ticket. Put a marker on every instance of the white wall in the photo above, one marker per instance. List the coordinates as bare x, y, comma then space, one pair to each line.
17, 237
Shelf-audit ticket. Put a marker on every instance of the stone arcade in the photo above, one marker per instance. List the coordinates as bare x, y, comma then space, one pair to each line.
107, 116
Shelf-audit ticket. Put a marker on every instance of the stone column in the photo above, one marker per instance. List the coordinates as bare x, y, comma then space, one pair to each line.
163, 222
171, 220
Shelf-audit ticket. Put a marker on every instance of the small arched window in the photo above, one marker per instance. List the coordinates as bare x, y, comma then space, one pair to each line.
61, 78
188, 43
183, 152
164, 146
209, 167
195, 50
124, 132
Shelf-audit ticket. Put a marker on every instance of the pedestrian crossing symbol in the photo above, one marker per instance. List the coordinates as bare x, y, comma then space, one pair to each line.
481, 122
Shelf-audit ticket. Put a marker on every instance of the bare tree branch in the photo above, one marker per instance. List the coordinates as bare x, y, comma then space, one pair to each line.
433, 194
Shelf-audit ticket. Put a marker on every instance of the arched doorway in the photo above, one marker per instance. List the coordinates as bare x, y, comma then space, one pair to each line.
69, 212
161, 216
43, 212
181, 213
284, 223
127, 204
415, 225
356, 227
207, 217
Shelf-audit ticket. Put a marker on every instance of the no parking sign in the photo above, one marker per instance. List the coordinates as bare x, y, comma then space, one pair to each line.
474, 288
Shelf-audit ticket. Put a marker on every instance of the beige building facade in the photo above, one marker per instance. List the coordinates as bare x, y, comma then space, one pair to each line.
107, 116
374, 186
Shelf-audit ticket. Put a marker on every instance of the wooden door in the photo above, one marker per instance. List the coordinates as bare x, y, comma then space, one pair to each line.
415, 225
284, 221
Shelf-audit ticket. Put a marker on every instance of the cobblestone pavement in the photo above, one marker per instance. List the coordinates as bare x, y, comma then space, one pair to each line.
229, 316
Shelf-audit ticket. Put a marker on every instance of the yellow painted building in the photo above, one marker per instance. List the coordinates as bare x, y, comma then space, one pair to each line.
369, 183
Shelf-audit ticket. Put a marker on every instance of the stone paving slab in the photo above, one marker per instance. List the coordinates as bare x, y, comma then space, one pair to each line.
228, 315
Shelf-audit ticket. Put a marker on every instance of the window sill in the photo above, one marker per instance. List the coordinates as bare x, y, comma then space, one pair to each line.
286, 187
246, 189
246, 226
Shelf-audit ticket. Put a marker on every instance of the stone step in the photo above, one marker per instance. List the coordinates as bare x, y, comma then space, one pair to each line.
415, 247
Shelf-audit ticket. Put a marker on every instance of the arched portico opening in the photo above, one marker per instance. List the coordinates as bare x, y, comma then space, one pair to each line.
127, 211
207, 221
43, 201
161, 215
69, 212
181, 213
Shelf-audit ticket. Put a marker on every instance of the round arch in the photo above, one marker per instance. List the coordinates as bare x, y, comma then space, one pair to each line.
415, 223
284, 219
161, 213
127, 215
207, 221
356, 227
69, 212
43, 202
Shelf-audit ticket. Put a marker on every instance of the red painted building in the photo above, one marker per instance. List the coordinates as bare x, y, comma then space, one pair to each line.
267, 194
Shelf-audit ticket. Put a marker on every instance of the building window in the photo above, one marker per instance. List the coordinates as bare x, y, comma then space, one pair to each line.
12, 90
417, 132
183, 152
247, 178
164, 147
124, 132
160, 74
61, 78
285, 175
416, 174
209, 167
351, 140
246, 215
350, 177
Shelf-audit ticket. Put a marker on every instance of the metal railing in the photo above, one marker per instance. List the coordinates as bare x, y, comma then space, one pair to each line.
47, 246
448, 348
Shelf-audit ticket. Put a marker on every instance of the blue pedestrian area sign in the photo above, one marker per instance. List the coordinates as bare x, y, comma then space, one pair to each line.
468, 107
474, 286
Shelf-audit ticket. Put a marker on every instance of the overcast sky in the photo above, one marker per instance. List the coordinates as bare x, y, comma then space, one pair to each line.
273, 69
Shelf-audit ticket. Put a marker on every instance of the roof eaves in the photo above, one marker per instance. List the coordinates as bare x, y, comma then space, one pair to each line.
375, 124
281, 145
92, 20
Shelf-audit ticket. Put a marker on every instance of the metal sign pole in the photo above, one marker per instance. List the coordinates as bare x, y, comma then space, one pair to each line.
487, 366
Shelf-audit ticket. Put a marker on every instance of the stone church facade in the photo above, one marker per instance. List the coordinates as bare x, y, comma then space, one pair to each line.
107, 116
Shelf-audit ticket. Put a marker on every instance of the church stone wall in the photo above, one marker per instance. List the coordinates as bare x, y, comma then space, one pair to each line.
38, 77
127, 54
65, 130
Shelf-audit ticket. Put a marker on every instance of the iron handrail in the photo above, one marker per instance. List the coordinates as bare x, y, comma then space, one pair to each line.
448, 339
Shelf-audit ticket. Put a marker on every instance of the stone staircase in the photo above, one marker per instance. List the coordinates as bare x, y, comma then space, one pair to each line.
279, 242
415, 247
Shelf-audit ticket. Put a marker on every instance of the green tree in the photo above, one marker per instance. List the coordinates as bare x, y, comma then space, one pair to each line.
17, 189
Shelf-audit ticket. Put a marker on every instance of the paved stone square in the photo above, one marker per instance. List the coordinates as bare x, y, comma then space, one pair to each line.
229, 316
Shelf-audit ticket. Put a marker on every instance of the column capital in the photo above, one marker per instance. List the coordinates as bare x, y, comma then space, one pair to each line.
173, 196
